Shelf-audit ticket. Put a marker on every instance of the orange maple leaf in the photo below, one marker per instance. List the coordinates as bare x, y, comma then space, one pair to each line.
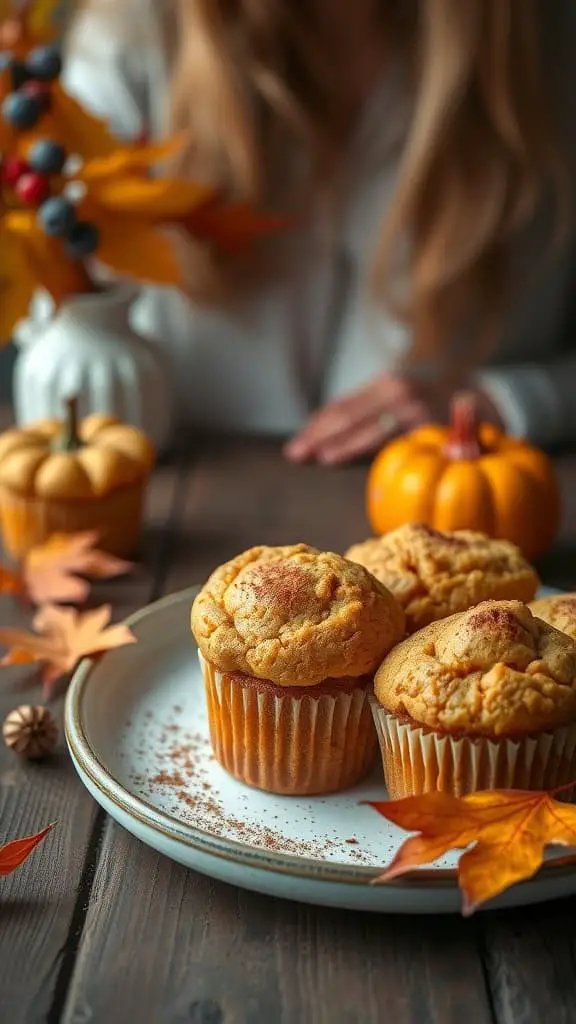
62, 637
158, 199
133, 214
34, 259
50, 572
17, 283
13, 854
232, 226
135, 158
134, 246
69, 123
510, 830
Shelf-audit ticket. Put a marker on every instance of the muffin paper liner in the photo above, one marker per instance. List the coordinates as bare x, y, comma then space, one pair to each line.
418, 760
28, 521
285, 743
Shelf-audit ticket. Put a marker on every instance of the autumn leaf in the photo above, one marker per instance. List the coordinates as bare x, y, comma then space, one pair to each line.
232, 226
42, 261
126, 160
157, 199
17, 284
51, 571
134, 246
69, 123
44, 19
13, 854
62, 636
510, 830
133, 216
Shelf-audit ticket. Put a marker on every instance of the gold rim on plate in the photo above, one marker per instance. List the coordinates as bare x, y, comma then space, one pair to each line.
216, 846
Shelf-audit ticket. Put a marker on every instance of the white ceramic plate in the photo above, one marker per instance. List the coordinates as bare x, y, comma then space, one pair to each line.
136, 727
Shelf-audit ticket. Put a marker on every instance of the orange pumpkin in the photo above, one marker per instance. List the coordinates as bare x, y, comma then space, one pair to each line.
466, 476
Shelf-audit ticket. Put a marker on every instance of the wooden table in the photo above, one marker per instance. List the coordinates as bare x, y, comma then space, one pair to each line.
96, 927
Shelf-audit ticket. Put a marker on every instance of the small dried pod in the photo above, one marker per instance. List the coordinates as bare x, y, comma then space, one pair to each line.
30, 731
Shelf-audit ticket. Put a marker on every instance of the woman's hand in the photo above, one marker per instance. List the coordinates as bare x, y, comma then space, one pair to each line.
361, 422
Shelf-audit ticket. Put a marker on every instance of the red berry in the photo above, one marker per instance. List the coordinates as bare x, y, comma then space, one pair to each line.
40, 91
32, 189
12, 169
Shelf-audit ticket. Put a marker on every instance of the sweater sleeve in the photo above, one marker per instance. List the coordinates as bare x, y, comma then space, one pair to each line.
106, 68
536, 401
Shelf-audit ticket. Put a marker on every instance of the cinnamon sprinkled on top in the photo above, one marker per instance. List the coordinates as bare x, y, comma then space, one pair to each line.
434, 574
295, 616
493, 670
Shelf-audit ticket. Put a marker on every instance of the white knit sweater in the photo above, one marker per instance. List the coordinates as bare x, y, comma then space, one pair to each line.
317, 334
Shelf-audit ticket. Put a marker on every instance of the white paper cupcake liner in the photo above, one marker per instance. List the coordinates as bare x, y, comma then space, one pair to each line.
418, 760
287, 743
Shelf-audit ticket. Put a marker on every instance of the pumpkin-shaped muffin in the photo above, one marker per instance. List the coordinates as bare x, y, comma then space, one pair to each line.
289, 639
434, 573
485, 699
64, 476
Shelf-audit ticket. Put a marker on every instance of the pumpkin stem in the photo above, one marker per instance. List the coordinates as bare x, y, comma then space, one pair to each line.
69, 439
464, 442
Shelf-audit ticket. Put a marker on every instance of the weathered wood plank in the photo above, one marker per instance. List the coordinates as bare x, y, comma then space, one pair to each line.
530, 958
170, 946
42, 905
242, 493
163, 945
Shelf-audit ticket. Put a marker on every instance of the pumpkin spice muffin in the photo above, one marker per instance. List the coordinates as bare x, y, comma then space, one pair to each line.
289, 639
484, 699
558, 611
433, 574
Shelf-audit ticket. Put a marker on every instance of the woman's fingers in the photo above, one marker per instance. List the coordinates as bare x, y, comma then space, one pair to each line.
357, 442
339, 417
366, 438
332, 421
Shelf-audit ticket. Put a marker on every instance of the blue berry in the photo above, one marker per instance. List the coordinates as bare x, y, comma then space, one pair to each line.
21, 111
17, 69
83, 240
44, 63
19, 74
57, 216
47, 157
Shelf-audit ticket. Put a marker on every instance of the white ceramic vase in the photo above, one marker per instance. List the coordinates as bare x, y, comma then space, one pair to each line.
88, 349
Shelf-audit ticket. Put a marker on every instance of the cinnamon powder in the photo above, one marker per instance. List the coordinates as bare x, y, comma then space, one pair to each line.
178, 773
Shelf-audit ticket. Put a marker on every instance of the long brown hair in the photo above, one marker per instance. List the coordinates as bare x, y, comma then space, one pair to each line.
251, 83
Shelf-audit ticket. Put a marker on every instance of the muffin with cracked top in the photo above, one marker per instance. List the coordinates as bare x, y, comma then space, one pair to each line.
485, 699
289, 639
558, 611
434, 574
